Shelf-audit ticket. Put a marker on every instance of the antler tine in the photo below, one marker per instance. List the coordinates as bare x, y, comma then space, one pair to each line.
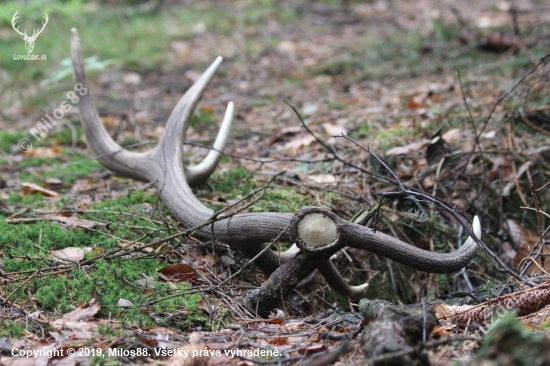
120, 161
199, 173
337, 282
358, 236
170, 147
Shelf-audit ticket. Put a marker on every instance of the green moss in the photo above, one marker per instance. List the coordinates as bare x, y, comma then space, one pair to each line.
11, 329
27, 247
387, 138
43, 168
9, 140
237, 183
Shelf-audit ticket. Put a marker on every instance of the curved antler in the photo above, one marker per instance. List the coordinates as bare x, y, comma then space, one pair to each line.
315, 230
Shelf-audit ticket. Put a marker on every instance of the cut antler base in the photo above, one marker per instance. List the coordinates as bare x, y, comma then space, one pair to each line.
317, 232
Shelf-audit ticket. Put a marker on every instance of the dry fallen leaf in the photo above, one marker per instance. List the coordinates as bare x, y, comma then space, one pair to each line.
329, 179
76, 223
204, 306
512, 184
123, 303
452, 135
499, 42
83, 313
177, 272
525, 239
407, 149
71, 254
52, 183
296, 144
333, 130
294, 325
279, 341
44, 152
178, 360
314, 348
31, 188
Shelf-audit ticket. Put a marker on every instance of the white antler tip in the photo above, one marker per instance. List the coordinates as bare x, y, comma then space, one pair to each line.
476, 226
358, 290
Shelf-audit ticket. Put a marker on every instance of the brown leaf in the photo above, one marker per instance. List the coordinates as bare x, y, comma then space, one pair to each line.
52, 183
499, 43
297, 143
209, 259
44, 152
284, 133
71, 254
315, 348
329, 179
407, 149
333, 130
124, 303
177, 272
31, 188
294, 326
525, 239
148, 341
417, 101
279, 341
452, 135
84, 312
204, 306
76, 223
427, 182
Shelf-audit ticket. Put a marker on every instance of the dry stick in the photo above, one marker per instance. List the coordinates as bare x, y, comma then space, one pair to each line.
332, 150
476, 142
540, 242
234, 275
425, 196
495, 105
119, 252
256, 160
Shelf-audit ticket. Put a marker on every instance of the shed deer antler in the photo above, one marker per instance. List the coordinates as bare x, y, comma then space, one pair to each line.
318, 232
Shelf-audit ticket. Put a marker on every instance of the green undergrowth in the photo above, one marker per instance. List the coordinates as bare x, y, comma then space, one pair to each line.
234, 184
142, 42
9, 139
133, 276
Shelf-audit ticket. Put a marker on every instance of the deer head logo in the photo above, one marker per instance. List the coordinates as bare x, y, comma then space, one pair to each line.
29, 40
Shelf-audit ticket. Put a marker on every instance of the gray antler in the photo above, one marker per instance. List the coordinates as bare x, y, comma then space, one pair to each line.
317, 231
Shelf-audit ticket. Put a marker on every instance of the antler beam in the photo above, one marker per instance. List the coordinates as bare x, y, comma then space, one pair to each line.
318, 232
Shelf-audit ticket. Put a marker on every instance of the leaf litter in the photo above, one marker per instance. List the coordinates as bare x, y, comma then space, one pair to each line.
383, 113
